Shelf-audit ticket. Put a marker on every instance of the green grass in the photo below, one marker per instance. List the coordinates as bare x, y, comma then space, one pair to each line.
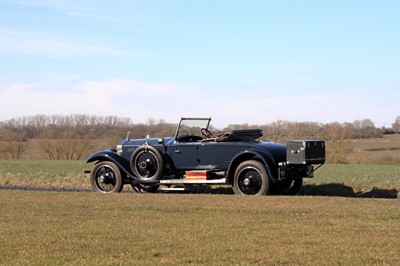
48, 228
355, 180
44, 173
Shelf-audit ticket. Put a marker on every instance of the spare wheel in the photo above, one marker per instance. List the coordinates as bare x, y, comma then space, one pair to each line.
147, 163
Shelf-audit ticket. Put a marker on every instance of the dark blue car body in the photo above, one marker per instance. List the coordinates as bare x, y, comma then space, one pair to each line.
195, 156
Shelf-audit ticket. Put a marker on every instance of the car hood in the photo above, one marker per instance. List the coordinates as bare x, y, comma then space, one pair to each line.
138, 142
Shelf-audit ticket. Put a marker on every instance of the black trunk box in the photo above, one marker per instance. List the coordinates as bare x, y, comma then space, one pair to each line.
305, 152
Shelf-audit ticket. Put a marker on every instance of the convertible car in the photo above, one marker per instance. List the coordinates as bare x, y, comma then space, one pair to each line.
196, 156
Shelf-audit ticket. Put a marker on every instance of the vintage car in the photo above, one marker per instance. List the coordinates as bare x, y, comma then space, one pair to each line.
196, 156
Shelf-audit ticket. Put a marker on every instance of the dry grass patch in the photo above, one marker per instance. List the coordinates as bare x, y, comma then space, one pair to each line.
45, 228
375, 151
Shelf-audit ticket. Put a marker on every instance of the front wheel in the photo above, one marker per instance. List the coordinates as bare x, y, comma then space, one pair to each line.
251, 178
106, 177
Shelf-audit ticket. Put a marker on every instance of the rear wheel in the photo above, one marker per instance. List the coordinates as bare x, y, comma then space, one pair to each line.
251, 178
106, 177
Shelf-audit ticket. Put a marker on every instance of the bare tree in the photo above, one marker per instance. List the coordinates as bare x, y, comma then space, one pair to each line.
73, 136
338, 142
68, 146
396, 125
13, 143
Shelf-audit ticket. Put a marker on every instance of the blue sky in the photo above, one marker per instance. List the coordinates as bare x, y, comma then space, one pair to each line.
237, 61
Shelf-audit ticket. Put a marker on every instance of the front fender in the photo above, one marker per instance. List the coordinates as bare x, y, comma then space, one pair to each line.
106, 155
123, 164
265, 157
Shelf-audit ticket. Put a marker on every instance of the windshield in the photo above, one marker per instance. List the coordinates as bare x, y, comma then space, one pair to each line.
192, 126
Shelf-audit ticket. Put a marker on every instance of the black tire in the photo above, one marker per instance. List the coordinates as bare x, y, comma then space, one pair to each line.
147, 164
251, 178
106, 177
287, 187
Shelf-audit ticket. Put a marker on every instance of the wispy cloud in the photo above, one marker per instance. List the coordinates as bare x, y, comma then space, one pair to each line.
46, 3
127, 98
170, 100
53, 45
94, 16
109, 12
44, 41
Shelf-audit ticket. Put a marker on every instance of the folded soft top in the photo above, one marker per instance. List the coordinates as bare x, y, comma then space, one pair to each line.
241, 135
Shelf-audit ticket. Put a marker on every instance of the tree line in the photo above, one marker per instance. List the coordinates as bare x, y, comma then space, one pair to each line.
72, 137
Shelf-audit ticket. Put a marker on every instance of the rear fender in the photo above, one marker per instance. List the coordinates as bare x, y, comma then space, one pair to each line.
123, 164
252, 154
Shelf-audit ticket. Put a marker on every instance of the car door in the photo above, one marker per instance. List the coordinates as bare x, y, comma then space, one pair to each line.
185, 154
217, 155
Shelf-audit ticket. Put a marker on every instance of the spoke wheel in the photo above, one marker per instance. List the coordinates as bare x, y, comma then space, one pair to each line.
251, 178
147, 164
106, 177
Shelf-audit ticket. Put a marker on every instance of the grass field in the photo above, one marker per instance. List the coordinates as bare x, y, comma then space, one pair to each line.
44, 174
355, 223
69, 228
356, 180
384, 150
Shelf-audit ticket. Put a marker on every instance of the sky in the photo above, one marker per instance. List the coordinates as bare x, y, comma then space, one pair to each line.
252, 62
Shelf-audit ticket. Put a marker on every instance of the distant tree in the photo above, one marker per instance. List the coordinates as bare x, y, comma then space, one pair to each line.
337, 137
365, 128
68, 146
396, 125
12, 143
73, 136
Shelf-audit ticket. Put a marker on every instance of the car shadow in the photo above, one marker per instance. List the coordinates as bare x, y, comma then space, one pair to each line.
328, 190
341, 190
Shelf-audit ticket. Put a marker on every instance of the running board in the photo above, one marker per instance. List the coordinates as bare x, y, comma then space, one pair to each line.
185, 181
173, 189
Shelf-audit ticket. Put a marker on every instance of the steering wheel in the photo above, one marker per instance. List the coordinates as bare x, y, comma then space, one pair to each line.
205, 133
